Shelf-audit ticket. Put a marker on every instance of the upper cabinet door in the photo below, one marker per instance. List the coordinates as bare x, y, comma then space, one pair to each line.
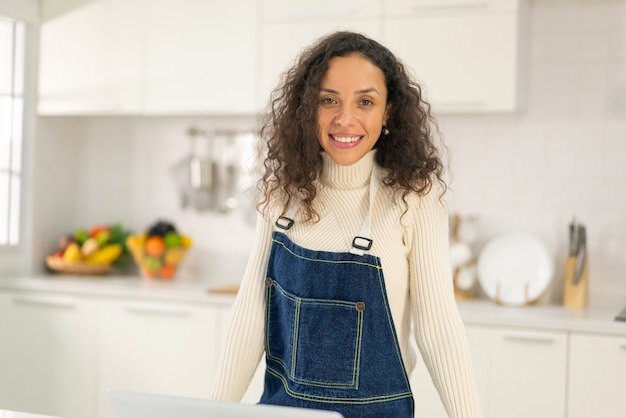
408, 7
148, 57
288, 10
90, 57
288, 27
465, 54
200, 56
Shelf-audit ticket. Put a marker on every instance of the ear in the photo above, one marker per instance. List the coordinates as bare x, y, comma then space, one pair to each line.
387, 113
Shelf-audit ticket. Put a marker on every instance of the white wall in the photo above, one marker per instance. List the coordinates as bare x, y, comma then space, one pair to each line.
563, 156
110, 169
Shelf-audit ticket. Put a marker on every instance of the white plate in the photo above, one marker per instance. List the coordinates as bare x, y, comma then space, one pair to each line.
515, 269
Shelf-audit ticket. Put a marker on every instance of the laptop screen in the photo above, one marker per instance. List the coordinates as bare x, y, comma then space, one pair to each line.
128, 404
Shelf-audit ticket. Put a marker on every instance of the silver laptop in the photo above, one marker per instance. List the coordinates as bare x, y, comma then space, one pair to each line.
127, 404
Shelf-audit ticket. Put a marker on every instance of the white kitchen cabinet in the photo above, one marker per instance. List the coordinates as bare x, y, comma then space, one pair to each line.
161, 347
148, 57
287, 27
519, 373
90, 57
427, 401
527, 373
200, 56
286, 10
466, 54
597, 376
47, 354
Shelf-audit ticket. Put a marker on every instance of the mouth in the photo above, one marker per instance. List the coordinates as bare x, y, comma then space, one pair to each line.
346, 139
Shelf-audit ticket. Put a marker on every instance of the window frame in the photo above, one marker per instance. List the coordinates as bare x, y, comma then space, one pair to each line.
14, 96
18, 258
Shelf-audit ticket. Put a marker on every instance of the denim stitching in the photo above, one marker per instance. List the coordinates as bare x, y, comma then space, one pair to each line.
294, 346
383, 292
376, 266
328, 399
312, 301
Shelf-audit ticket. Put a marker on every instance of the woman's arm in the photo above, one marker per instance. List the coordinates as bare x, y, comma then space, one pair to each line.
243, 343
439, 330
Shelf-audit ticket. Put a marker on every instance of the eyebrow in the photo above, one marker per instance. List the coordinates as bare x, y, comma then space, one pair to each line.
362, 91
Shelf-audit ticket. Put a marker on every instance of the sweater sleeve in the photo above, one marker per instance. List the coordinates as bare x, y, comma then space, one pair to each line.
439, 330
242, 346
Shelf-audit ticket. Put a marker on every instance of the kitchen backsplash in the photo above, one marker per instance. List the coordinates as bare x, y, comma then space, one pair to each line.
563, 155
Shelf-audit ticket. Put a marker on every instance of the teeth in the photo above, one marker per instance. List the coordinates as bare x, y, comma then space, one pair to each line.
346, 139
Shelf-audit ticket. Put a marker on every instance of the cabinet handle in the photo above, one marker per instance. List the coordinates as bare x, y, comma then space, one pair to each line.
157, 309
464, 105
529, 338
55, 302
302, 13
449, 6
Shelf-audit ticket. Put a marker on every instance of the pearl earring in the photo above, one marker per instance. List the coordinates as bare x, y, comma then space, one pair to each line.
385, 130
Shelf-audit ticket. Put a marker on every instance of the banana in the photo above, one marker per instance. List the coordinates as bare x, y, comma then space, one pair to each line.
72, 253
105, 255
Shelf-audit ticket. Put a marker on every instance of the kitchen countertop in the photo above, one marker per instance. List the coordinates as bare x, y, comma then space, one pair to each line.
14, 414
176, 290
598, 318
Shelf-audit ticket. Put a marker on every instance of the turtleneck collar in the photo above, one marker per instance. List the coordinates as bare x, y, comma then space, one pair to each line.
347, 176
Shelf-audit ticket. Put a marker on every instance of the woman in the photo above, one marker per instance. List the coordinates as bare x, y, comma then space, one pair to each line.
351, 247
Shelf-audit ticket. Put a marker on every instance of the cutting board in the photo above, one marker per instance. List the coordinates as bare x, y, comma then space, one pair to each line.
225, 290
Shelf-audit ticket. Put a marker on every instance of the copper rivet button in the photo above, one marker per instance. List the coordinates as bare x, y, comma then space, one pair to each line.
360, 306
269, 282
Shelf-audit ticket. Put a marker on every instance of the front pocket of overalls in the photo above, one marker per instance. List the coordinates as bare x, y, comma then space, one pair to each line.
316, 341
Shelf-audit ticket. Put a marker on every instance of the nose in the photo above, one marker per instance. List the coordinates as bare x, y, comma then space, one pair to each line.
344, 116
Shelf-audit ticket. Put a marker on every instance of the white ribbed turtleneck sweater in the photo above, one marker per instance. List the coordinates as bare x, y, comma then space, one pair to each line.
413, 249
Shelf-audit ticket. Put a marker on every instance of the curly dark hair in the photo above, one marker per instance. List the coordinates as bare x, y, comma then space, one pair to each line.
292, 154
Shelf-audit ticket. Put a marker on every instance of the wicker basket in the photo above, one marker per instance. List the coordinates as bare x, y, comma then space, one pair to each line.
61, 266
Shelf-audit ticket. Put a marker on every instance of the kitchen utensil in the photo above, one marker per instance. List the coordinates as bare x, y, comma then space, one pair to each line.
581, 256
514, 269
575, 289
621, 316
208, 178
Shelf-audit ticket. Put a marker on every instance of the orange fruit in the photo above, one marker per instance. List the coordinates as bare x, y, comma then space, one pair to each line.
155, 246
167, 271
147, 272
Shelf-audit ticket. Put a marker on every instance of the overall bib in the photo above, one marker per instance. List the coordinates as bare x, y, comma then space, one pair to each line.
330, 341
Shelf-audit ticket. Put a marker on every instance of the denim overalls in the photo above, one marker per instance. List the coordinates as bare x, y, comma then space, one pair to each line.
330, 341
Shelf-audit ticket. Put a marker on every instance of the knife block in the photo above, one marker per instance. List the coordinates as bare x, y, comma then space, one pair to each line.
576, 295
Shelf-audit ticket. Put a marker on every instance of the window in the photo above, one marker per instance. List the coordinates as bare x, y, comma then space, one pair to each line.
12, 52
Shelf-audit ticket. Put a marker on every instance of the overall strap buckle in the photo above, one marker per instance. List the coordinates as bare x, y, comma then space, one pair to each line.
362, 243
284, 222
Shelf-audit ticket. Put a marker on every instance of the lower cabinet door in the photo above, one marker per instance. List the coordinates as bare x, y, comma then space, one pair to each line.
427, 400
597, 379
161, 347
47, 353
519, 373
527, 374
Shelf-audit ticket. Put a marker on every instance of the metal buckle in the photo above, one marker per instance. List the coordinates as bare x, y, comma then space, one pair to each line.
362, 243
284, 222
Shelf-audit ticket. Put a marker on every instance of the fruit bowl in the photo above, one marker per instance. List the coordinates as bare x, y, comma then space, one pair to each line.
159, 251
90, 251
76, 267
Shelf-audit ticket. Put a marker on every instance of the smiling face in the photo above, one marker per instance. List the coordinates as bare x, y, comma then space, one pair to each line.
352, 108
